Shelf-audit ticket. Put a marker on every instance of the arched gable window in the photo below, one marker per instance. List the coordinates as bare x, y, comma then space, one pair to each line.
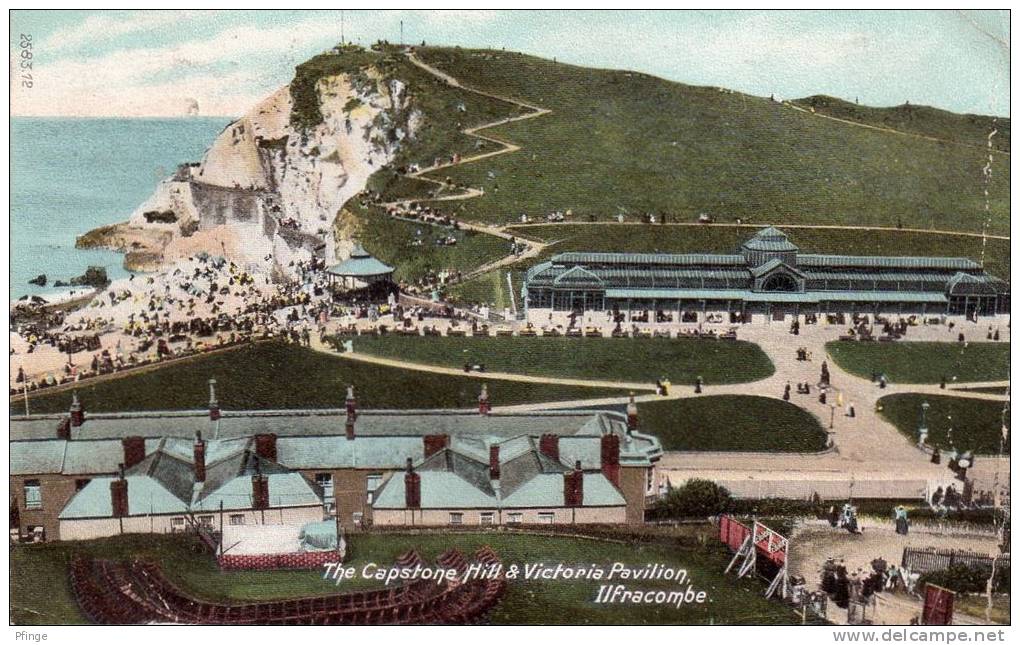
779, 282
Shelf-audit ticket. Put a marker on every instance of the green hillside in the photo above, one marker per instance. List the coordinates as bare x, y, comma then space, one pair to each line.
967, 129
624, 142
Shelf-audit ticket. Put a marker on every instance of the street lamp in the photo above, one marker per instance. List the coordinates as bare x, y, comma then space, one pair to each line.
832, 414
922, 428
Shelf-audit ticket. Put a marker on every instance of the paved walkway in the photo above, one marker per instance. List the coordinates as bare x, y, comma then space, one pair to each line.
869, 456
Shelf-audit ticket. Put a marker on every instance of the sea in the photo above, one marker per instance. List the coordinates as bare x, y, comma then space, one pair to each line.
69, 176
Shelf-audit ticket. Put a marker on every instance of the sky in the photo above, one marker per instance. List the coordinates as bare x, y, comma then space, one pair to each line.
161, 63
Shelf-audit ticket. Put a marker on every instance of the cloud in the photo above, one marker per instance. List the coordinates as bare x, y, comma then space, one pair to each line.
100, 28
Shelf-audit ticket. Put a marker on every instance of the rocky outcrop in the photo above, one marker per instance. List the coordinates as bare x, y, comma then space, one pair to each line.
265, 193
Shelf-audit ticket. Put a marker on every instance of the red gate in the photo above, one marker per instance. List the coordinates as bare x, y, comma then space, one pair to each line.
938, 606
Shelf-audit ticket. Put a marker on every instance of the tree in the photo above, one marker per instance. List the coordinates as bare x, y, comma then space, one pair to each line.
696, 498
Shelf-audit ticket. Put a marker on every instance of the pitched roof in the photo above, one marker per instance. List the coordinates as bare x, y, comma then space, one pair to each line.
360, 264
770, 239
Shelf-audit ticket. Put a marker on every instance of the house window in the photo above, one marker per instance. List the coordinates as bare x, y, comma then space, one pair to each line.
80, 484
237, 520
545, 518
325, 481
515, 518
356, 518
205, 520
33, 494
373, 482
177, 523
456, 519
487, 518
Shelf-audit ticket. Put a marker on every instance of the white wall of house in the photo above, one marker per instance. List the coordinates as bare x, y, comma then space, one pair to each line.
483, 517
90, 529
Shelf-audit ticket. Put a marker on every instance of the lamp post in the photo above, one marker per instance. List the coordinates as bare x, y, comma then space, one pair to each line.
922, 428
832, 415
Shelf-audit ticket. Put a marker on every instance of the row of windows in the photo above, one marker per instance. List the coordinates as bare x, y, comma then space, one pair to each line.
487, 518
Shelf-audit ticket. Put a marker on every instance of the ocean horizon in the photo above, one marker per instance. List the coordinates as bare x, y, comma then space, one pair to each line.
72, 174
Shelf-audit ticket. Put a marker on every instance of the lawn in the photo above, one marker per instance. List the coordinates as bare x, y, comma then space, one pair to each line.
625, 142
976, 424
921, 362
610, 359
278, 376
41, 595
732, 422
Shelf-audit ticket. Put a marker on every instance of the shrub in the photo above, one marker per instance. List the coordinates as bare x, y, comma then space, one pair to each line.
964, 578
696, 498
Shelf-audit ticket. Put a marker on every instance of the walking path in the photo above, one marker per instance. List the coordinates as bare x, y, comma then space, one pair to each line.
869, 456
902, 133
835, 227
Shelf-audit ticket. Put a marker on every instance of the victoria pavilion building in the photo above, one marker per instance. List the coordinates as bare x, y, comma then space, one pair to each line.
769, 276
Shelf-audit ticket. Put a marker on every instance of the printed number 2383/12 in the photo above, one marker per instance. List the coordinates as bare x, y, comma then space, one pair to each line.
26, 61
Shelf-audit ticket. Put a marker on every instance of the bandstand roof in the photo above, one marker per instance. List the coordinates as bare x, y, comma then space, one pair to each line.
360, 265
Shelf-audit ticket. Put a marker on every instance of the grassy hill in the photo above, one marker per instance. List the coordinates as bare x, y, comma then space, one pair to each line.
624, 142
967, 129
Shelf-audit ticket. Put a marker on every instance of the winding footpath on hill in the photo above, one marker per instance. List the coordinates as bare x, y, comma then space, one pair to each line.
536, 247
902, 133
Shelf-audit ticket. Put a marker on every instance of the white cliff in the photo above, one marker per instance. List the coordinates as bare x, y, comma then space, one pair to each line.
265, 193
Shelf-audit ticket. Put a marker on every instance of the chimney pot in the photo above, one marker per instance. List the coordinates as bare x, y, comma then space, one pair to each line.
484, 405
412, 487
549, 445
265, 445
610, 461
214, 404
434, 443
494, 462
77, 411
632, 414
64, 429
134, 450
199, 458
119, 495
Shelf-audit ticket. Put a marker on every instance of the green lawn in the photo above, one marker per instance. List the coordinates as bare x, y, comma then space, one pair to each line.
625, 142
732, 422
40, 593
489, 288
976, 424
921, 362
279, 376
611, 359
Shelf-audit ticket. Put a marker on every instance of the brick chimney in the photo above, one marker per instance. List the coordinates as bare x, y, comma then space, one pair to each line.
199, 457
214, 405
484, 405
351, 404
632, 418
349, 427
573, 487
549, 445
265, 445
119, 495
134, 450
434, 443
77, 411
259, 489
611, 458
494, 462
412, 486
64, 429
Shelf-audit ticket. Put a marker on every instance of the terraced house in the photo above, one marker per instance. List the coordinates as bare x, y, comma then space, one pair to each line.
82, 476
769, 278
